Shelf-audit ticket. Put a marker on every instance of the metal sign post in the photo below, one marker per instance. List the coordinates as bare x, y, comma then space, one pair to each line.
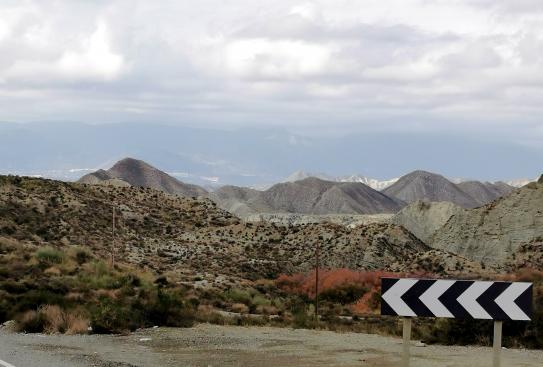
406, 341
496, 301
497, 344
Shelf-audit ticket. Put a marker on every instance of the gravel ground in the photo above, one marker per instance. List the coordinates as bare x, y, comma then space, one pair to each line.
212, 345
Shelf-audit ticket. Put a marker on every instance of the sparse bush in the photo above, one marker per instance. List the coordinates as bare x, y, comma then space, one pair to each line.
239, 308
238, 296
81, 255
76, 323
53, 319
49, 256
169, 309
260, 300
29, 322
110, 317
344, 294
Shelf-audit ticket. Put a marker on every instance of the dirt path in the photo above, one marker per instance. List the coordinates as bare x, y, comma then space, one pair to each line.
211, 345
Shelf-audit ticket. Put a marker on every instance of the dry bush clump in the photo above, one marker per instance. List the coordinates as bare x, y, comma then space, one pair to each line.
53, 270
240, 308
76, 323
53, 319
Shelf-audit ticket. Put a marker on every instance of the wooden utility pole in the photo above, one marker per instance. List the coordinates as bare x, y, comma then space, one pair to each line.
317, 282
113, 239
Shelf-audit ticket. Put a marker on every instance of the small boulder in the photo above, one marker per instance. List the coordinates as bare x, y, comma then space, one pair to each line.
9, 325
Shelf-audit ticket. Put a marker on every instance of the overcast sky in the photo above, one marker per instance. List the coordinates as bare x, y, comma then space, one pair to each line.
318, 67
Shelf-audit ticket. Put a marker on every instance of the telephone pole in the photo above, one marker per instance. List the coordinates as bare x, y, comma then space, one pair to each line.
113, 240
317, 283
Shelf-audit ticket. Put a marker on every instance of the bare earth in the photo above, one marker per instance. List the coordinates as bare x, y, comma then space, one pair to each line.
211, 345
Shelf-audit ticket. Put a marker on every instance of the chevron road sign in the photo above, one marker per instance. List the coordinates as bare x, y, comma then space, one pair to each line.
456, 299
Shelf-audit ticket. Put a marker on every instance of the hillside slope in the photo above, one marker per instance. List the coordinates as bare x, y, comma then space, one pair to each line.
423, 218
165, 232
138, 173
497, 230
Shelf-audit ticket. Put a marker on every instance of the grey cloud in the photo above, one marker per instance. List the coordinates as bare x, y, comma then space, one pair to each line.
363, 73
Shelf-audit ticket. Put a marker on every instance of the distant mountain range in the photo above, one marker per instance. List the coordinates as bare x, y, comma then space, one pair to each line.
371, 182
383, 184
422, 185
311, 195
307, 196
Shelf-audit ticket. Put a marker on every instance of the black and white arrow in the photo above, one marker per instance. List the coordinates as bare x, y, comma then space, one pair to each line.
456, 299
431, 298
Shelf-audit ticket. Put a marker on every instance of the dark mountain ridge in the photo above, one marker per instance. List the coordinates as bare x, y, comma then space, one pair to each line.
307, 196
427, 186
138, 173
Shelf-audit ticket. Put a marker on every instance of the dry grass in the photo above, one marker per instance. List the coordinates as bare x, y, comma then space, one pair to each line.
53, 270
110, 293
240, 308
76, 323
53, 319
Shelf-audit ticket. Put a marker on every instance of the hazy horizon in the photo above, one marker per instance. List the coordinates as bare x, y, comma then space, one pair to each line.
257, 155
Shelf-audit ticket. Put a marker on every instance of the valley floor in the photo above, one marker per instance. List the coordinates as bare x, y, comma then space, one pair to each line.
212, 345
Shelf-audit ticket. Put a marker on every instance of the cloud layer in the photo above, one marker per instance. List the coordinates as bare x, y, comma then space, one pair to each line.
319, 66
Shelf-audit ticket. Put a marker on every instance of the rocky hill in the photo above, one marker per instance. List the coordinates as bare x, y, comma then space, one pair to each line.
485, 192
137, 173
291, 219
423, 218
422, 185
495, 232
164, 232
307, 196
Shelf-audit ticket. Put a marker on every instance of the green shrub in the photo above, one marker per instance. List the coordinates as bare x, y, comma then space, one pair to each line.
169, 309
301, 318
260, 300
101, 276
49, 256
35, 298
82, 255
238, 296
112, 317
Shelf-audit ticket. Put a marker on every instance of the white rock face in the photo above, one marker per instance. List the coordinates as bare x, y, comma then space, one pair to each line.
347, 220
495, 231
423, 219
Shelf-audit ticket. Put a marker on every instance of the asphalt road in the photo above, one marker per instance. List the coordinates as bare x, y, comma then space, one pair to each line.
212, 345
